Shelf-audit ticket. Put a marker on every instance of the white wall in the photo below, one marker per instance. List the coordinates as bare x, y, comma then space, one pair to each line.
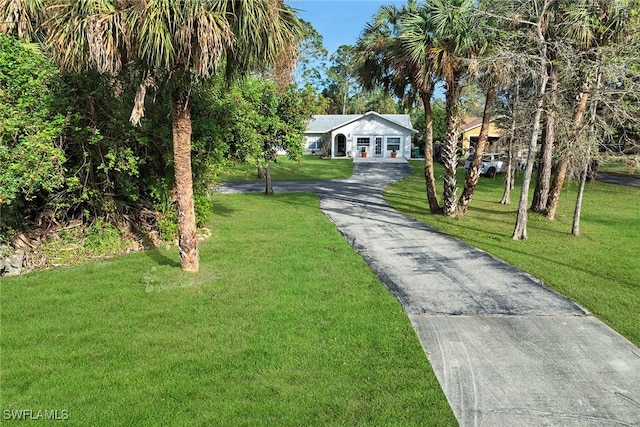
372, 127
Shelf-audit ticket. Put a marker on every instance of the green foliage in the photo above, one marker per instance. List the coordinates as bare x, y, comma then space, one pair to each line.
439, 126
102, 167
253, 121
312, 56
167, 226
69, 150
102, 238
314, 101
30, 128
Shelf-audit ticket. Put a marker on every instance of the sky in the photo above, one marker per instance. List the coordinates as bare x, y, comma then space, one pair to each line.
339, 21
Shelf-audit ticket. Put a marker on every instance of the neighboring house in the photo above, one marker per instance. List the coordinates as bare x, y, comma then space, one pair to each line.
348, 135
470, 128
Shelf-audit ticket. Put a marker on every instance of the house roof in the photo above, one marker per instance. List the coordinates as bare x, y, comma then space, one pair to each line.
323, 123
468, 123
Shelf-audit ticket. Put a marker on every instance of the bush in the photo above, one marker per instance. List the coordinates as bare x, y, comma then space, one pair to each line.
30, 151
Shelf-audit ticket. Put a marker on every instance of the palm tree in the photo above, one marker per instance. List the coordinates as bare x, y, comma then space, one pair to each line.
393, 52
180, 44
457, 40
496, 71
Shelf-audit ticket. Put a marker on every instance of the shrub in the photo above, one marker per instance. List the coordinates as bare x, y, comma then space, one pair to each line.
31, 155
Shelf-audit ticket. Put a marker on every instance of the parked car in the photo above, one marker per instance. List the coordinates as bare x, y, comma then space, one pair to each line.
492, 163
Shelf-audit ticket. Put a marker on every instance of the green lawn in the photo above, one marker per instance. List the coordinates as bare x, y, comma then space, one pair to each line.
309, 168
620, 165
600, 270
284, 325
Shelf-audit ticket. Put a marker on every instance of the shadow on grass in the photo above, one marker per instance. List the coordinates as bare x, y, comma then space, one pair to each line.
219, 208
156, 255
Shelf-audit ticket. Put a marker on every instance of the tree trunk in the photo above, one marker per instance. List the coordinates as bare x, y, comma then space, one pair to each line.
561, 170
543, 178
261, 174
268, 185
509, 178
344, 99
450, 149
187, 240
588, 161
429, 177
473, 174
520, 230
575, 230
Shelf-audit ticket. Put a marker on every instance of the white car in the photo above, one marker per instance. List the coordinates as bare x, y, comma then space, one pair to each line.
492, 163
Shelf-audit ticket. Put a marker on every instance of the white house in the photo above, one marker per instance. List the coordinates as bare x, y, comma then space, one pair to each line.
349, 135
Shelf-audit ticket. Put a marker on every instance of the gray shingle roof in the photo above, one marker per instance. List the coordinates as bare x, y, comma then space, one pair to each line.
322, 123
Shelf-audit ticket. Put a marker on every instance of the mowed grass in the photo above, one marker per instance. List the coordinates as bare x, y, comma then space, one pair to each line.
309, 168
621, 165
600, 269
284, 325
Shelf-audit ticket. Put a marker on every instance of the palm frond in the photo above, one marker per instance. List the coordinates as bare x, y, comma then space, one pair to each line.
21, 17
88, 33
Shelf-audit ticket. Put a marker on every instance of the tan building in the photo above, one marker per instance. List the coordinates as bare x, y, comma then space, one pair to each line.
470, 128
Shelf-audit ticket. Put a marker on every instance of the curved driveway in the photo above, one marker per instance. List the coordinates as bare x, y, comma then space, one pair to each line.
507, 350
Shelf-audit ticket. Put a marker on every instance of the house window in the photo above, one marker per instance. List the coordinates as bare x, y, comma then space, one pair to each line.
362, 142
393, 144
315, 143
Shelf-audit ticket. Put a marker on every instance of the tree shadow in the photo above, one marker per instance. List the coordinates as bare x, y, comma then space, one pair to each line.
156, 255
219, 208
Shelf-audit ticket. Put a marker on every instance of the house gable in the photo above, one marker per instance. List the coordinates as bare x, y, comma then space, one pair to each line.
470, 129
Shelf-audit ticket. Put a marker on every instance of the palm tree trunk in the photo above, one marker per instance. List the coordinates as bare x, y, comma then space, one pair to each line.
187, 240
473, 174
561, 170
429, 177
450, 149
543, 178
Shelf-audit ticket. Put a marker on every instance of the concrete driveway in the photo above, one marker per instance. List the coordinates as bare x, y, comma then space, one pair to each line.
507, 350
619, 179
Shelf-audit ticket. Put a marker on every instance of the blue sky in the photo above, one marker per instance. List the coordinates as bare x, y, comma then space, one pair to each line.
339, 21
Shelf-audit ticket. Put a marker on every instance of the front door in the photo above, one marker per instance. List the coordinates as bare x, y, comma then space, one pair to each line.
378, 146
341, 146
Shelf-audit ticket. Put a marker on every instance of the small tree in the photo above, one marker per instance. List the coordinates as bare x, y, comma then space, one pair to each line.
281, 120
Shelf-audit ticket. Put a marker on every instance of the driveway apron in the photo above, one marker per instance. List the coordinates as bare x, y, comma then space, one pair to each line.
506, 349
